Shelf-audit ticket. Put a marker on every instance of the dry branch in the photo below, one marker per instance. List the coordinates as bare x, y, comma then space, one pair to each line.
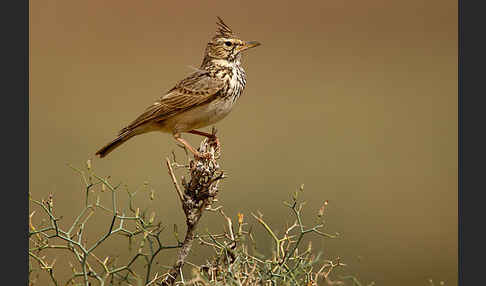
236, 260
198, 195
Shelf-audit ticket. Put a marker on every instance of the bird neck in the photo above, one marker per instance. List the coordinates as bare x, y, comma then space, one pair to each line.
212, 63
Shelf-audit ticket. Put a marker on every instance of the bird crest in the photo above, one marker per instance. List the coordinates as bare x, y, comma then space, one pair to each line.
223, 30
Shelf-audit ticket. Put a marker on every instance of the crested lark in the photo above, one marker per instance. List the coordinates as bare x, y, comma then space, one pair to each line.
201, 99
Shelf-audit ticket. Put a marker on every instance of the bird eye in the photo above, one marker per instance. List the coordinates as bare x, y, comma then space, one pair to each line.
228, 43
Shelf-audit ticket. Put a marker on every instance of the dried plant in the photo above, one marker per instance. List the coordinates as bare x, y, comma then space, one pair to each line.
237, 262
138, 227
235, 259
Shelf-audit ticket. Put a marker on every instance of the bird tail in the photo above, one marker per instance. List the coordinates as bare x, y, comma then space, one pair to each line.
122, 138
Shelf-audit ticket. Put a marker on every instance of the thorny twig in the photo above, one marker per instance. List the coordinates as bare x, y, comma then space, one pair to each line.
236, 260
199, 193
235, 264
72, 239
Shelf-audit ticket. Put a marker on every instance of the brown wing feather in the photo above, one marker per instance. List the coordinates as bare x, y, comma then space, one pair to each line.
192, 91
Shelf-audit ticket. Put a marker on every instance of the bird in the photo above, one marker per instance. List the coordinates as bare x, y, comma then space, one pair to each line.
203, 98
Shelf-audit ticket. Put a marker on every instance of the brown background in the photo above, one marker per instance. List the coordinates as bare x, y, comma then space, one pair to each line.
356, 99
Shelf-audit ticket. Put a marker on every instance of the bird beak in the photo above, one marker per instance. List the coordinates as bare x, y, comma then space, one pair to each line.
249, 45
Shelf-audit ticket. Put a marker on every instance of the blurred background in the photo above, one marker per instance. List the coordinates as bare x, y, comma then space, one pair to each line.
355, 99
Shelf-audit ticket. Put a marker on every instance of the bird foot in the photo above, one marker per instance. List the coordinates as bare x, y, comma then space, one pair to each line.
205, 155
216, 141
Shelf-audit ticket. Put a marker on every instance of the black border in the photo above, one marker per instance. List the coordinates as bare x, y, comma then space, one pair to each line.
15, 135
471, 141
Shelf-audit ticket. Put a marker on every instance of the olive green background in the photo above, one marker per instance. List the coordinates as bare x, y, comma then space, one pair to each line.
355, 99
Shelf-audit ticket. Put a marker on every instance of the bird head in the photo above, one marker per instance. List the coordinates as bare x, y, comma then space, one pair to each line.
225, 45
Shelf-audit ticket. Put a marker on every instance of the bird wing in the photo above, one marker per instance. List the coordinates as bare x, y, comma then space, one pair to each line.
196, 89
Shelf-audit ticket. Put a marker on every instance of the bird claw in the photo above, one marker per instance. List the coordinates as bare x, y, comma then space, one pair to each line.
216, 142
218, 145
205, 155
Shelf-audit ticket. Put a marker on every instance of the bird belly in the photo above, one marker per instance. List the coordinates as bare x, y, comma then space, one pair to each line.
198, 117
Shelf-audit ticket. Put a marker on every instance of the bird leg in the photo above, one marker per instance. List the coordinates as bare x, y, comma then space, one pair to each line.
177, 136
208, 135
